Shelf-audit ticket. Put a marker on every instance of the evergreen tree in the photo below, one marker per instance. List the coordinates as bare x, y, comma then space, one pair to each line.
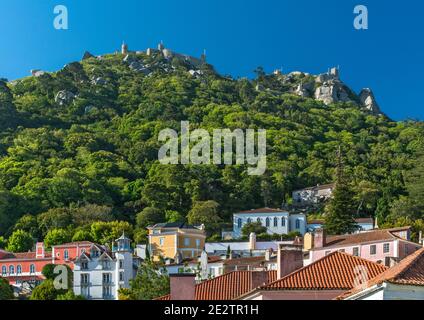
341, 209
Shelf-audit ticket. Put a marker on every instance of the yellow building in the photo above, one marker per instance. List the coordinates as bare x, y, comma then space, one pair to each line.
176, 241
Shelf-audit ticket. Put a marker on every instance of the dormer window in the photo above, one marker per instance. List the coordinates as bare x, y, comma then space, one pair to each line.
84, 265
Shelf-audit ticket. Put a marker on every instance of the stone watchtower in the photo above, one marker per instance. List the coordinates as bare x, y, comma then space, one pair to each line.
124, 48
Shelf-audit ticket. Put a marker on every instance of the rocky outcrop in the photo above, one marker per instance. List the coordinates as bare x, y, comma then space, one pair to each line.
135, 65
305, 90
332, 91
368, 101
64, 97
87, 55
37, 73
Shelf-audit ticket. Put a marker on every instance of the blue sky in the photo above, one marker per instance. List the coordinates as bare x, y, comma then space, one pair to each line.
239, 35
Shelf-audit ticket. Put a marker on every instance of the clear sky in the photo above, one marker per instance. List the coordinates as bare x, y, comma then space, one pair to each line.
239, 35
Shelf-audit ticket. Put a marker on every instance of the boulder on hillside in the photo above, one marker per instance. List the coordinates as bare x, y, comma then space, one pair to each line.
64, 97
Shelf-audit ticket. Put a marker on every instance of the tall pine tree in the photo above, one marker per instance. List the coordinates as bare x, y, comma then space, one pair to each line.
341, 209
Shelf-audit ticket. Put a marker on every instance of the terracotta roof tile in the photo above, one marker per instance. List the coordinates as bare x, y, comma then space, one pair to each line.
226, 287
337, 271
363, 237
410, 271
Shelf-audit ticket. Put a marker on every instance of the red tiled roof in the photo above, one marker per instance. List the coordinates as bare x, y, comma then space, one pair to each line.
410, 271
263, 210
24, 256
364, 237
244, 261
337, 271
74, 244
226, 287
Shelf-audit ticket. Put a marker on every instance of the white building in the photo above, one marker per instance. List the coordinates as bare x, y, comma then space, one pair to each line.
276, 221
99, 273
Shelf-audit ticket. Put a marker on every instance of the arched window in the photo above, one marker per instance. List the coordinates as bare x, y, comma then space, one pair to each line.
19, 269
249, 220
268, 222
239, 223
66, 254
283, 222
11, 269
275, 222
3, 271
32, 269
259, 220
297, 223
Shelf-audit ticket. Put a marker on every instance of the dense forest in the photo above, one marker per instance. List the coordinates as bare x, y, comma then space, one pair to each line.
79, 149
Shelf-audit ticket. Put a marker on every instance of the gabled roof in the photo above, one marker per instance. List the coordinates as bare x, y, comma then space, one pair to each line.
410, 271
262, 210
364, 237
337, 271
226, 287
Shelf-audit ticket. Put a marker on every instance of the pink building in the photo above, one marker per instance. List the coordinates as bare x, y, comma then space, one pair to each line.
380, 246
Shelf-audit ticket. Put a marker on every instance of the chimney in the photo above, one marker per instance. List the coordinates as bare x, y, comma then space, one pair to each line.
39, 250
289, 259
420, 237
259, 279
320, 238
308, 241
252, 241
268, 255
183, 286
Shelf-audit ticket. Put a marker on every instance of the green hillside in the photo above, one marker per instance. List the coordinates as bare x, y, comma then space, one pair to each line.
80, 145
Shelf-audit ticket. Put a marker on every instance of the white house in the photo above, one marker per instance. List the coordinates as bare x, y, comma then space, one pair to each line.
99, 273
276, 221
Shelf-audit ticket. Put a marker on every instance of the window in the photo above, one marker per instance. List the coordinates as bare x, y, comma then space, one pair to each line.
107, 292
259, 220
386, 248
121, 276
161, 241
239, 223
95, 253
121, 264
267, 222
19, 269
283, 222
11, 269
106, 265
3, 271
107, 278
197, 243
85, 279
356, 252
297, 223
276, 222
186, 242
249, 220
32, 269
84, 265
66, 254
373, 249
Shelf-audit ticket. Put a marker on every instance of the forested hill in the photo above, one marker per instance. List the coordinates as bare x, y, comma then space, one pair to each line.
87, 135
